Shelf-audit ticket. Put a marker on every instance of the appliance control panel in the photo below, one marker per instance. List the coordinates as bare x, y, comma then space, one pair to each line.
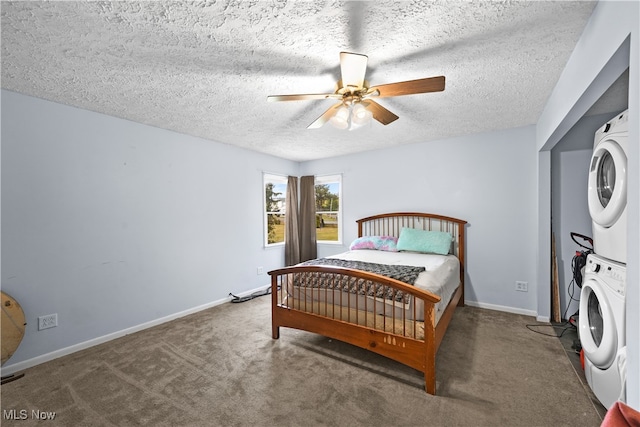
614, 276
619, 123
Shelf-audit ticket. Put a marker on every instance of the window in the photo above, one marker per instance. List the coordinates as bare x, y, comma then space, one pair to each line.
275, 192
328, 214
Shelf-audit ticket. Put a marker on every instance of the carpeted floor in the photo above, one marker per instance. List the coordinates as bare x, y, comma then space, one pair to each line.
221, 367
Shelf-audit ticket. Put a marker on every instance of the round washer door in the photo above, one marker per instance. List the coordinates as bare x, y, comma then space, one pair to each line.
598, 334
607, 195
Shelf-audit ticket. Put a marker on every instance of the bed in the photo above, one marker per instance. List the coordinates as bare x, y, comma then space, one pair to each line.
393, 293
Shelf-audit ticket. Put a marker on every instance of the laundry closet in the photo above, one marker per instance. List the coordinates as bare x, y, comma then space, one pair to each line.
588, 181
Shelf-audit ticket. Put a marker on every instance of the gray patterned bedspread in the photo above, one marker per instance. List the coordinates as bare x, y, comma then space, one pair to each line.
404, 273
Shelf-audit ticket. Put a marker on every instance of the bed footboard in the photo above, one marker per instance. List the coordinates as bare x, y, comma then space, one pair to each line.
368, 310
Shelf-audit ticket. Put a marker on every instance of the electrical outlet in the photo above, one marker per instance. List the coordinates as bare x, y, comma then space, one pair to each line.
48, 321
260, 270
522, 286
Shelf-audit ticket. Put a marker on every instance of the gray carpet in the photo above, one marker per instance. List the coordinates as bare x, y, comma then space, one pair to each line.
221, 367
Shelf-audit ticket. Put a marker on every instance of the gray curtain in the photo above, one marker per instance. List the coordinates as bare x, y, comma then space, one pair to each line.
291, 233
307, 219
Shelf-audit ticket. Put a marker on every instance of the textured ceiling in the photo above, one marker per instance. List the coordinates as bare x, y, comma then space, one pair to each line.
206, 68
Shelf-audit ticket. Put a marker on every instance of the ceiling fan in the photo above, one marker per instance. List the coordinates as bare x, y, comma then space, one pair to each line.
356, 105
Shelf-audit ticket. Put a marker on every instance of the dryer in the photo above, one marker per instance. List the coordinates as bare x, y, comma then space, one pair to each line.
602, 327
607, 197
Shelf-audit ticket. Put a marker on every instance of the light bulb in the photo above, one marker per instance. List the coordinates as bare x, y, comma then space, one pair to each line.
360, 114
341, 118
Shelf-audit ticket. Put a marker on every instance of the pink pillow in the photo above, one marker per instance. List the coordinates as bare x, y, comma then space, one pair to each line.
378, 243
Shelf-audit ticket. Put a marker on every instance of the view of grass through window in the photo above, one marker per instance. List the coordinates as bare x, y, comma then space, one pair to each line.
327, 210
275, 188
327, 195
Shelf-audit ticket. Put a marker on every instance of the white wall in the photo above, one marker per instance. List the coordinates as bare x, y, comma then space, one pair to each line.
487, 179
609, 44
115, 225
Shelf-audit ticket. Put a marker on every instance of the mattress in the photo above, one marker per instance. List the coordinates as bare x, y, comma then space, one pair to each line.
441, 277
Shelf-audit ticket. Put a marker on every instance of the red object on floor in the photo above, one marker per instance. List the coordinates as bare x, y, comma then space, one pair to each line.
582, 358
621, 415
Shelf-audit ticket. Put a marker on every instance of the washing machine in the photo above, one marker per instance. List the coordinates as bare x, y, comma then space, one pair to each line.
602, 327
607, 195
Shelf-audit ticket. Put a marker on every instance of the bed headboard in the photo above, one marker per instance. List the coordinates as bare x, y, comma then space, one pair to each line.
390, 224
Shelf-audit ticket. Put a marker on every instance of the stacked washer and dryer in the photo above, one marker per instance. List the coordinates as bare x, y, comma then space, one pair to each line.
602, 298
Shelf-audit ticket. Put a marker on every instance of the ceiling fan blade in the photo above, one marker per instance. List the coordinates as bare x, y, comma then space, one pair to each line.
430, 84
303, 97
353, 67
324, 118
380, 113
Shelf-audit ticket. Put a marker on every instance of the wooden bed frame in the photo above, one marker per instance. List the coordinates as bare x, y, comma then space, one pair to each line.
394, 334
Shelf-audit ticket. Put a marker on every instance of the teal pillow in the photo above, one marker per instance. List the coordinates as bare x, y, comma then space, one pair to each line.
431, 242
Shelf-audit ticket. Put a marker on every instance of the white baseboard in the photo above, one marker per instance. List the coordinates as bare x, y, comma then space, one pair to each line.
504, 308
19, 366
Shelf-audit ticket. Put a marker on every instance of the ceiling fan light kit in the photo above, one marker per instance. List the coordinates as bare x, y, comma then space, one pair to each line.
356, 108
351, 117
